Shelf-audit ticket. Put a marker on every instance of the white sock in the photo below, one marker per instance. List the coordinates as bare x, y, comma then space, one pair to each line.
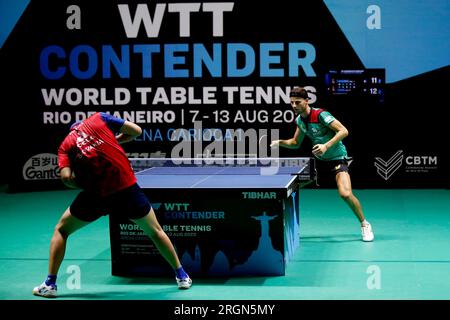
364, 223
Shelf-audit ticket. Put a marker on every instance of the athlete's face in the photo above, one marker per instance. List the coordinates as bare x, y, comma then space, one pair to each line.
299, 105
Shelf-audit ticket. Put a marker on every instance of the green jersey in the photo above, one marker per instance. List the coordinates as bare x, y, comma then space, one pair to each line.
316, 127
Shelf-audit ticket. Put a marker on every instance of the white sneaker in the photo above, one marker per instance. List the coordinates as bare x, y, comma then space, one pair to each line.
184, 283
367, 233
45, 291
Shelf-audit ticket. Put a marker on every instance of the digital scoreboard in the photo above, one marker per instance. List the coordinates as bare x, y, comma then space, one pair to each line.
364, 82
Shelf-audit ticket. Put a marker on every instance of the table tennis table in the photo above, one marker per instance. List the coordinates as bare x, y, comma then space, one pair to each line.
226, 217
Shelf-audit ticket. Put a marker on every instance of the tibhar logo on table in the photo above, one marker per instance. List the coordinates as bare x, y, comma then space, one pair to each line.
259, 195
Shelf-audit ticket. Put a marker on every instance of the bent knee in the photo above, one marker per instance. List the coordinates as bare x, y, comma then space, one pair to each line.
63, 229
156, 234
345, 194
153, 230
59, 228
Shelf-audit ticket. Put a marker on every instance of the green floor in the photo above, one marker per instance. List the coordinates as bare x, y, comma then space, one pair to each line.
410, 258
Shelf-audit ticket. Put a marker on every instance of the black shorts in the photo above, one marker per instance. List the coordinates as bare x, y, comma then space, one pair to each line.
327, 170
130, 203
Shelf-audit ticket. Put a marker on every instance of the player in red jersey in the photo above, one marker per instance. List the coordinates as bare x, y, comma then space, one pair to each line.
91, 158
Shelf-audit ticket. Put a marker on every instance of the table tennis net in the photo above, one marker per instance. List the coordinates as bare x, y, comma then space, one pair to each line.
303, 167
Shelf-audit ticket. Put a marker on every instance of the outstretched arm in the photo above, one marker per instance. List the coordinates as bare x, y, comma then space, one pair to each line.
128, 132
293, 143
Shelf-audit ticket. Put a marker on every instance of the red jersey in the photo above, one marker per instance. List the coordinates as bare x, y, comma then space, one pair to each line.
98, 161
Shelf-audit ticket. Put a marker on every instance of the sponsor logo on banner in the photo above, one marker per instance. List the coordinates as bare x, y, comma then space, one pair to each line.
421, 164
387, 168
43, 166
412, 164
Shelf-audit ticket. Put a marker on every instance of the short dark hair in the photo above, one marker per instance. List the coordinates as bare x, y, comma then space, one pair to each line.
298, 92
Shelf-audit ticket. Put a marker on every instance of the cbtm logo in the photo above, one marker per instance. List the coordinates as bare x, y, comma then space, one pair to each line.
43, 166
421, 160
413, 164
386, 168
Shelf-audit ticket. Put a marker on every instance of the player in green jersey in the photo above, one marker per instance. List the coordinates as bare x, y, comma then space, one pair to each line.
326, 134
